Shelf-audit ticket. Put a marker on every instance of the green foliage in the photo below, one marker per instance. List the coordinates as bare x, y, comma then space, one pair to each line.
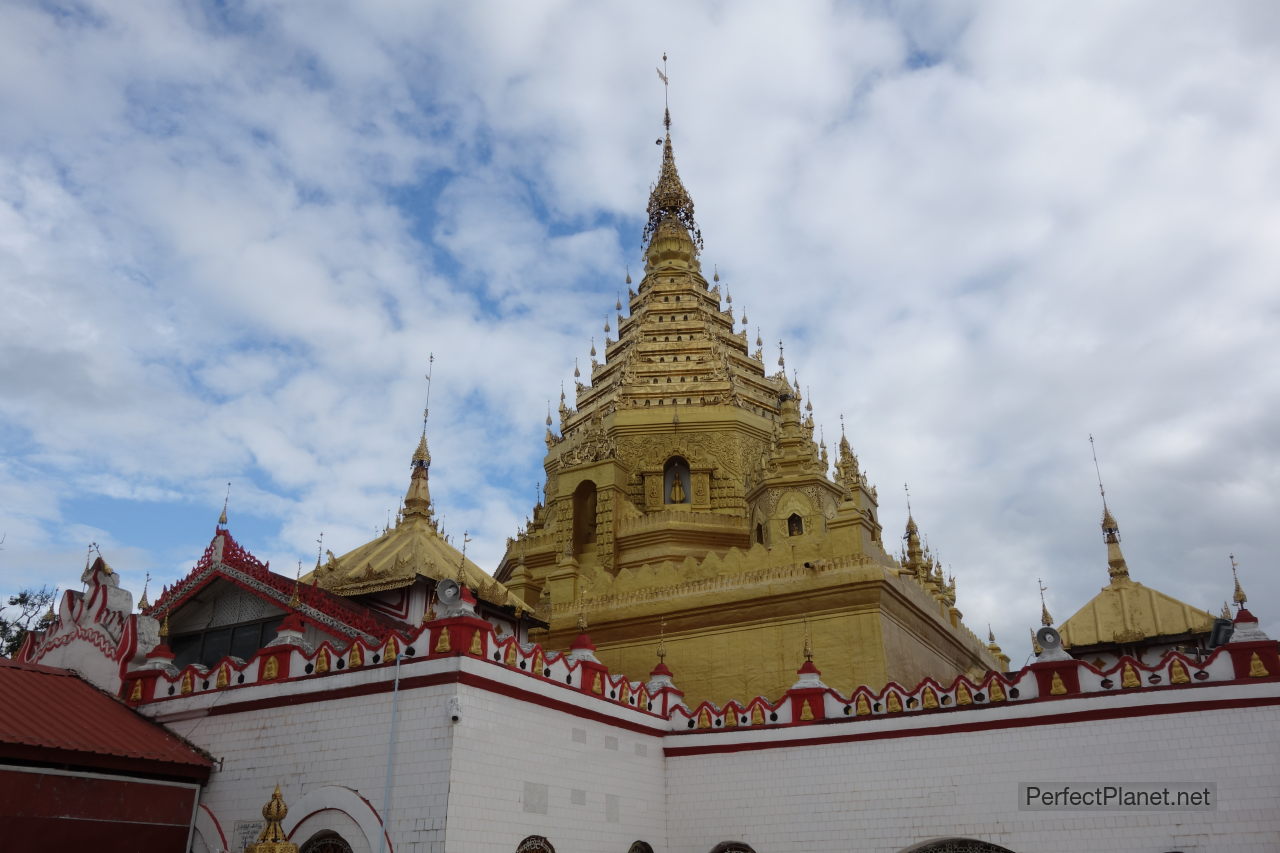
31, 613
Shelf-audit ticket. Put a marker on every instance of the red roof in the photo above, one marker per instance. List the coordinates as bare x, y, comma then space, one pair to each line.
51, 716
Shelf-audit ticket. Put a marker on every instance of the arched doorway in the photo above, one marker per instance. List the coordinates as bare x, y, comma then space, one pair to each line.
584, 516
326, 842
535, 844
956, 845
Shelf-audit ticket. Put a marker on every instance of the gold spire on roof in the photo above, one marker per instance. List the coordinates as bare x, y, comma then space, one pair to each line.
1226, 610
808, 643
164, 627
1238, 596
143, 604
294, 600
1045, 619
662, 640
222, 519
669, 199
1116, 565
272, 839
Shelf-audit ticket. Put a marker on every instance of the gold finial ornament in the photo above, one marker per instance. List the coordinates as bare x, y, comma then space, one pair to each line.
662, 641
669, 200
273, 839
1238, 596
222, 519
1045, 619
808, 643
295, 601
1226, 610
164, 627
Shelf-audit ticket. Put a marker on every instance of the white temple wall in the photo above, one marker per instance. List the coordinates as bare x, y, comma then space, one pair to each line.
889, 794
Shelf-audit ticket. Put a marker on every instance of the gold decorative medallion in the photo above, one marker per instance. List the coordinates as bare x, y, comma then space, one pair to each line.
511, 654
704, 719
730, 717
624, 693
596, 686
187, 683
392, 649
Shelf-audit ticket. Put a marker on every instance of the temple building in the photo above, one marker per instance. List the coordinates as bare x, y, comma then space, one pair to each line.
698, 644
686, 497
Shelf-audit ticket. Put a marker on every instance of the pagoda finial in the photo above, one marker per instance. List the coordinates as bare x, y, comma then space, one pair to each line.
143, 604
668, 198
1238, 596
808, 643
295, 600
1116, 566
662, 640
1045, 619
1226, 610
462, 562
782, 360
164, 627
222, 519
991, 635
273, 838
319, 549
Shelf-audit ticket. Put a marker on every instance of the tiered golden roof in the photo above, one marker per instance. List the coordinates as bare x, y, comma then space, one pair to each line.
413, 548
685, 483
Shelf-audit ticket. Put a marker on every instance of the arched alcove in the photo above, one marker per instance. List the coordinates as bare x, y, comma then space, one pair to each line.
795, 525
325, 842
584, 516
676, 483
956, 845
535, 844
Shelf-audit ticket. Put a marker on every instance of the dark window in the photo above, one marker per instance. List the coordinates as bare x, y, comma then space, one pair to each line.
535, 844
795, 525
326, 842
210, 646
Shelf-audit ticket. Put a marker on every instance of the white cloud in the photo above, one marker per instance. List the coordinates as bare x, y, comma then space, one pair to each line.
227, 246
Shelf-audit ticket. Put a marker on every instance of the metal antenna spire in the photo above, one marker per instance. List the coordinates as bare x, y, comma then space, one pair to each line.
426, 408
666, 87
1093, 448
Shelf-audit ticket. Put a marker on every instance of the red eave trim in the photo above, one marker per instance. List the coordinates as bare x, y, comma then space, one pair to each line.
1092, 715
47, 756
451, 677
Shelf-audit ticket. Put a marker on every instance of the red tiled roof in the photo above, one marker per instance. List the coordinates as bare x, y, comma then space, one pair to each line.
50, 715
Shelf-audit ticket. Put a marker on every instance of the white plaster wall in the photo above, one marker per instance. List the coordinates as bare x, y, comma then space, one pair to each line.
604, 786
886, 795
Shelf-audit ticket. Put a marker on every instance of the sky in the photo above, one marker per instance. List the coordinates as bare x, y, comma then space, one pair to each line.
232, 234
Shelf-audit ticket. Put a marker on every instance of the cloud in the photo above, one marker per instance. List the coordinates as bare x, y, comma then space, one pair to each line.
230, 238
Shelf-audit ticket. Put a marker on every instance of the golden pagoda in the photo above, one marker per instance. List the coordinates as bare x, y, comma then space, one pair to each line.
685, 484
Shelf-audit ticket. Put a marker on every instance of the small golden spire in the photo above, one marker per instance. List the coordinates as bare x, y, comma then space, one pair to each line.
294, 600
1116, 566
273, 839
1045, 619
662, 640
808, 643
782, 361
669, 198
49, 615
744, 316
548, 415
991, 635
716, 274
1226, 610
1035, 644
759, 337
164, 627
222, 519
577, 374
1238, 596
593, 340
143, 604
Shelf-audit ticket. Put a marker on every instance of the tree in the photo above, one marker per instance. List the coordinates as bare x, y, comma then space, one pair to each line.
32, 613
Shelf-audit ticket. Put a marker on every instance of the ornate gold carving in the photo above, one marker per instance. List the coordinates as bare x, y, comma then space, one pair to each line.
996, 691
704, 719
392, 649
135, 695
1056, 687
963, 696
862, 708
223, 679
757, 716
1256, 667
271, 669
442, 642
624, 693
188, 683
892, 703
806, 713
476, 648
597, 685
730, 717
929, 699
322, 660
356, 656
510, 658
1129, 677
1178, 673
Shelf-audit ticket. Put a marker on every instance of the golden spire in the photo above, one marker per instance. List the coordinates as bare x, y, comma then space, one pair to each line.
143, 604
164, 627
1238, 596
662, 640
1045, 619
808, 643
669, 199
1035, 644
294, 600
1226, 610
1116, 565
272, 839
222, 519
417, 500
